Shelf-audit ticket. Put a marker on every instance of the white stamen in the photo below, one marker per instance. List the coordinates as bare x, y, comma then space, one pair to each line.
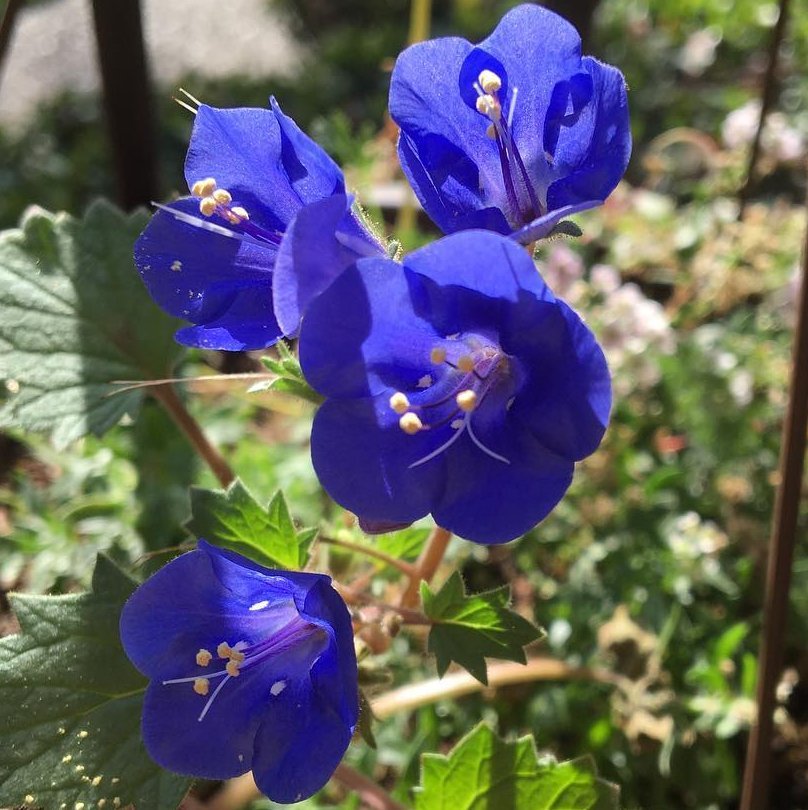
482, 447
259, 605
445, 446
514, 91
212, 698
206, 225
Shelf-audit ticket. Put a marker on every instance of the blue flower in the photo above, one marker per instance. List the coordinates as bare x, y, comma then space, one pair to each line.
218, 257
513, 134
457, 385
250, 669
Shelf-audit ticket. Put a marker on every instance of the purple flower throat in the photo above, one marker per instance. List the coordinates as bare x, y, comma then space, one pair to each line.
467, 373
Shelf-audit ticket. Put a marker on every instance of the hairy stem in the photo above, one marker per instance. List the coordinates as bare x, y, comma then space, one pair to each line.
427, 564
414, 695
401, 565
167, 396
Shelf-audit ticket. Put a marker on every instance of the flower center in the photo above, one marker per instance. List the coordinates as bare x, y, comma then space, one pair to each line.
297, 634
522, 198
215, 202
468, 379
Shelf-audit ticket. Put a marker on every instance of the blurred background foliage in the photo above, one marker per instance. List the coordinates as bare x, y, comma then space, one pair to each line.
652, 566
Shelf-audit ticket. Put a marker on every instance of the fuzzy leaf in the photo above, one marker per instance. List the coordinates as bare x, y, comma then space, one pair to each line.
482, 771
234, 520
70, 705
74, 315
468, 628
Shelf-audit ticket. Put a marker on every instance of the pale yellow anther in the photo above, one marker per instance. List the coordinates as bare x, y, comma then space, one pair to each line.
232, 668
466, 400
489, 81
207, 206
489, 106
203, 188
232, 218
224, 650
201, 686
203, 657
466, 363
410, 423
240, 212
237, 656
399, 402
223, 196
438, 355
491, 132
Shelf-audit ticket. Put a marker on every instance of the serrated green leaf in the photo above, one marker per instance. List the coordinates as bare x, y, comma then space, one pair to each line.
70, 706
482, 772
234, 520
74, 315
466, 628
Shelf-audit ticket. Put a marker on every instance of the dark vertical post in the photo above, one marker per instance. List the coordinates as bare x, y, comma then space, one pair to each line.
781, 553
766, 101
127, 101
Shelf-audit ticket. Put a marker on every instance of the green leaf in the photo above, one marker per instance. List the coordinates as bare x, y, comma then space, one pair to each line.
468, 628
70, 705
483, 772
290, 379
234, 520
74, 315
405, 544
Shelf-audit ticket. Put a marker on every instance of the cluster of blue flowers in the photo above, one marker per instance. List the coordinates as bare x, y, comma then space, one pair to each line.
456, 384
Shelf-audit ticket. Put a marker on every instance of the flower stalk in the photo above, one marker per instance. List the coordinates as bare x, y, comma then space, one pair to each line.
167, 396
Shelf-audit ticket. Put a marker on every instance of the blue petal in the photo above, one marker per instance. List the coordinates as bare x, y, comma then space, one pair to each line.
298, 748
566, 398
542, 226
268, 165
591, 153
312, 173
362, 459
471, 280
218, 747
538, 49
376, 342
309, 728
321, 241
488, 501
450, 162
207, 277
